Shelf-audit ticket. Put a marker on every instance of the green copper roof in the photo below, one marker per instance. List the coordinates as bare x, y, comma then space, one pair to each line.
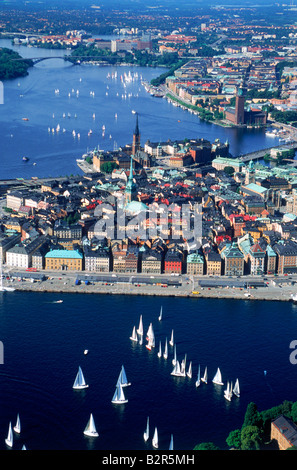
64, 254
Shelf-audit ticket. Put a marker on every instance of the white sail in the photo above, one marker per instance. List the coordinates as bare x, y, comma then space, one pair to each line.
119, 396
165, 354
236, 389
174, 356
161, 314
134, 335
189, 373
197, 383
9, 439
160, 350
122, 379
171, 443
146, 433
90, 429
17, 427
228, 392
150, 336
204, 378
183, 366
176, 370
218, 378
171, 342
140, 327
79, 382
155, 441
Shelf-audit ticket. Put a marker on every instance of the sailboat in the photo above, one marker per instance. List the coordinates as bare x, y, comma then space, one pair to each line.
204, 378
155, 441
161, 314
177, 370
228, 392
218, 378
183, 366
150, 336
119, 396
160, 350
9, 439
171, 342
171, 443
134, 335
189, 373
236, 389
140, 327
17, 427
174, 356
79, 382
90, 429
197, 383
146, 433
123, 378
165, 354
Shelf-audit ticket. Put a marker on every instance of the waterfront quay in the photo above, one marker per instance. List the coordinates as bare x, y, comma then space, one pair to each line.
277, 288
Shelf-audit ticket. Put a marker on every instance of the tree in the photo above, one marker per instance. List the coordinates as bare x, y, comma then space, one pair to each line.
234, 439
229, 170
206, 446
251, 438
252, 416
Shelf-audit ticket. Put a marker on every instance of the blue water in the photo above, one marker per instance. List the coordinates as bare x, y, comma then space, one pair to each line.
44, 344
34, 97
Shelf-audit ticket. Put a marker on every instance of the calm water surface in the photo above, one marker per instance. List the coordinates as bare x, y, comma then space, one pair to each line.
54, 154
44, 343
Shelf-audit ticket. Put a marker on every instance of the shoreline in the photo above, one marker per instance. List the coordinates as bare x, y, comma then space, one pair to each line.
149, 291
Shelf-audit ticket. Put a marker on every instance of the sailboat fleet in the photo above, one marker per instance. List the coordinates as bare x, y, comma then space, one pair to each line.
10, 435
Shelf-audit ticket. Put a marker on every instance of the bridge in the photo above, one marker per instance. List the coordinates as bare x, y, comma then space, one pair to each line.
259, 154
35, 60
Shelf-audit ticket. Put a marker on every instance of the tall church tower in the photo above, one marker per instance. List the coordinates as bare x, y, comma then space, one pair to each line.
131, 190
239, 107
136, 138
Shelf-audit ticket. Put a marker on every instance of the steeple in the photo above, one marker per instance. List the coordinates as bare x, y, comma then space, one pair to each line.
130, 190
136, 138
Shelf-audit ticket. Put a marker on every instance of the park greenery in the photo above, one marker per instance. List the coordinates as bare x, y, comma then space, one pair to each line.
254, 433
12, 65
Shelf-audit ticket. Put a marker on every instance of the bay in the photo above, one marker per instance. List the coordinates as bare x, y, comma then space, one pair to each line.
44, 344
54, 154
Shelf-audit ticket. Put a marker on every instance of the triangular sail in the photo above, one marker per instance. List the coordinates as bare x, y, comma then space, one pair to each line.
146, 433
189, 373
119, 396
174, 356
90, 429
165, 354
140, 327
204, 378
17, 427
133, 337
218, 378
155, 439
123, 378
197, 383
160, 350
171, 342
79, 382
161, 314
236, 390
9, 439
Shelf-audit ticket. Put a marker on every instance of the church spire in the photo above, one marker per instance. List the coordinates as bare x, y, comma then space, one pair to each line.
136, 138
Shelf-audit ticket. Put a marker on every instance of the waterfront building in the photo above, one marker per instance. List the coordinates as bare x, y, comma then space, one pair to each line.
57, 259
173, 262
257, 259
21, 254
151, 262
7, 241
284, 432
97, 260
233, 260
195, 264
15, 199
213, 263
132, 260
286, 252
